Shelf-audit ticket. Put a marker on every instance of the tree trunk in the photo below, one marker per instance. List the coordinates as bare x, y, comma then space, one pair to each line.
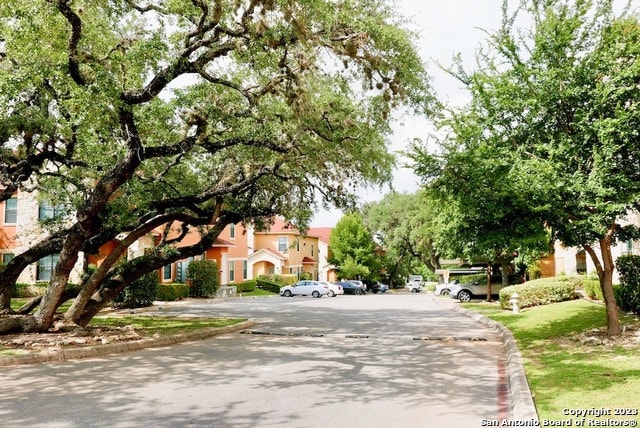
52, 297
505, 273
489, 298
5, 301
605, 275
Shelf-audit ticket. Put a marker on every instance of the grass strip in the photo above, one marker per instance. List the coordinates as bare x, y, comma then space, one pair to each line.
565, 373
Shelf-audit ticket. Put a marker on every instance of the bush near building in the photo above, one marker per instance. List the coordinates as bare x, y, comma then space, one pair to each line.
141, 293
203, 276
628, 292
246, 286
171, 292
541, 291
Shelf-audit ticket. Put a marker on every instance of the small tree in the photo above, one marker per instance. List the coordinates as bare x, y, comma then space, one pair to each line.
204, 278
352, 247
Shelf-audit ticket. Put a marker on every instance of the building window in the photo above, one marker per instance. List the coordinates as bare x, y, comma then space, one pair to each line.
11, 210
166, 272
245, 269
6, 258
232, 271
282, 244
46, 211
312, 250
232, 231
46, 266
297, 245
629, 248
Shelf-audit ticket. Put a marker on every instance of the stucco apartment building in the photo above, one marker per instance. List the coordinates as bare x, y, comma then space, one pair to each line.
240, 252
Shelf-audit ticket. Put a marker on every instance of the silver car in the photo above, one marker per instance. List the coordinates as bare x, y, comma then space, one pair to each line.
465, 292
305, 288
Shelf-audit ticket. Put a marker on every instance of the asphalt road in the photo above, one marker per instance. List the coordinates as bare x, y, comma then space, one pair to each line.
394, 360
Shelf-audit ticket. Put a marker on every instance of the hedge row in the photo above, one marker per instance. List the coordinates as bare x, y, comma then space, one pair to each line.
246, 286
541, 291
171, 292
279, 279
268, 285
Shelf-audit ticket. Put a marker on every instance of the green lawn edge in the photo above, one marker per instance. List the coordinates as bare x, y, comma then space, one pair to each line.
566, 375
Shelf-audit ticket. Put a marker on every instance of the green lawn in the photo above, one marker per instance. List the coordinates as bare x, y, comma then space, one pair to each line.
562, 372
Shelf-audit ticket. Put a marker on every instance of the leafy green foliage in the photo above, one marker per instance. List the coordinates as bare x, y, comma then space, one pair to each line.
405, 225
549, 139
281, 280
264, 284
628, 293
171, 292
141, 293
541, 291
592, 289
203, 275
353, 250
185, 117
246, 286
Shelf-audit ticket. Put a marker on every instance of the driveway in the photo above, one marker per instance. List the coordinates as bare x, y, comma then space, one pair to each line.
394, 360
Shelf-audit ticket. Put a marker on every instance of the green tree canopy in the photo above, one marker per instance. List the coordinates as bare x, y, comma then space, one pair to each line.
405, 225
553, 128
353, 249
189, 115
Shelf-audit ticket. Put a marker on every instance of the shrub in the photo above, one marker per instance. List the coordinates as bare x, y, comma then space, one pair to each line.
140, 293
592, 289
279, 279
480, 278
170, 292
541, 291
203, 275
246, 286
628, 292
28, 290
268, 286
306, 276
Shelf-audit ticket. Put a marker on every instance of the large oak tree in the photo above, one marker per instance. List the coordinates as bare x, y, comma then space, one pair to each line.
189, 116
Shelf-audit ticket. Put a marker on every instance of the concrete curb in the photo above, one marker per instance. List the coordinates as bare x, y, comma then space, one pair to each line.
522, 405
117, 348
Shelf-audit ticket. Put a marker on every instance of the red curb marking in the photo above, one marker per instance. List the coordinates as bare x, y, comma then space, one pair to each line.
503, 390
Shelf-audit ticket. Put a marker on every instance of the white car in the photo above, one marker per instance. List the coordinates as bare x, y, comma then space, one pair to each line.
305, 288
445, 288
334, 289
414, 286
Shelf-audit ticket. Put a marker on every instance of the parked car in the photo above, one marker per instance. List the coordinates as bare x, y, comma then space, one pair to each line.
444, 289
414, 286
334, 289
359, 283
378, 287
305, 288
350, 287
466, 292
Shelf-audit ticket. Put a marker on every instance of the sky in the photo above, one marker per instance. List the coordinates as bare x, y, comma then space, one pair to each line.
446, 27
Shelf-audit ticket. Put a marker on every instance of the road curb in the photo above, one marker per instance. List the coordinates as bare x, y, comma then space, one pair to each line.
118, 348
521, 400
